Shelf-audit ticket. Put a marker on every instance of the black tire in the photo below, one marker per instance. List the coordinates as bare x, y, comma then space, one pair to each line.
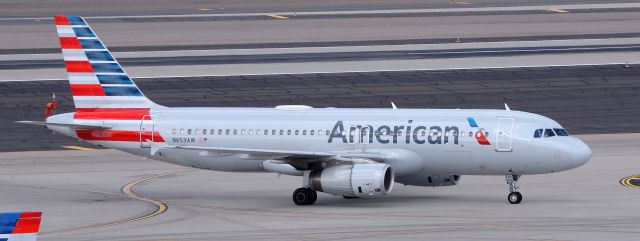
304, 196
314, 196
349, 197
514, 197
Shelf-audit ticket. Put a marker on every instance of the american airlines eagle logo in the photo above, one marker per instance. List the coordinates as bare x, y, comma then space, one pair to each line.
480, 136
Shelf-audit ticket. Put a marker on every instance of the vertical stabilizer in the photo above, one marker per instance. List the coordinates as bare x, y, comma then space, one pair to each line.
100, 87
20, 226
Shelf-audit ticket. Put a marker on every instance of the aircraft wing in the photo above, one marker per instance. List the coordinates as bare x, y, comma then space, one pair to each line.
298, 159
257, 152
74, 126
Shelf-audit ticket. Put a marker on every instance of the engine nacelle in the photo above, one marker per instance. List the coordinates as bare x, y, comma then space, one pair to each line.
356, 180
430, 181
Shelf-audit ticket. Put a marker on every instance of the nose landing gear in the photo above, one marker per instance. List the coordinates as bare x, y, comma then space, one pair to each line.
514, 196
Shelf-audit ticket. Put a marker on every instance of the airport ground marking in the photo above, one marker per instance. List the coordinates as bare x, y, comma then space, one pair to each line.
556, 10
627, 181
79, 148
277, 16
127, 190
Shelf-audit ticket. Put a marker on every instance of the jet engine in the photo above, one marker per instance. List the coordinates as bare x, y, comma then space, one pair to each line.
357, 180
429, 180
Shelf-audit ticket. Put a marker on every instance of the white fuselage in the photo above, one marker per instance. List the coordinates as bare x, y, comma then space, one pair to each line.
418, 141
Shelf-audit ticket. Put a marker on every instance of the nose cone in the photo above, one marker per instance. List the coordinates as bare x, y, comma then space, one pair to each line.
580, 153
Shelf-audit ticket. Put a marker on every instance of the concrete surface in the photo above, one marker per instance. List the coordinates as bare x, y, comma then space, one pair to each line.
79, 192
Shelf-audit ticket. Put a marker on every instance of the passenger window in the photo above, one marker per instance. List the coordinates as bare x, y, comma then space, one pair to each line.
228, 131
235, 131
537, 133
273, 132
250, 131
288, 132
189, 132
561, 132
548, 133
486, 134
312, 132
257, 131
181, 131
174, 131
204, 131
328, 132
297, 132
281, 132
197, 131
213, 131
304, 132
266, 132
242, 132
219, 131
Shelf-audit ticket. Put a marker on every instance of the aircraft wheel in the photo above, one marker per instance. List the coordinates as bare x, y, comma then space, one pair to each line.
514, 197
304, 196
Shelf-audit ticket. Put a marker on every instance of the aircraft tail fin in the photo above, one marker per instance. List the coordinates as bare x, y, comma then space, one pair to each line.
23, 226
99, 85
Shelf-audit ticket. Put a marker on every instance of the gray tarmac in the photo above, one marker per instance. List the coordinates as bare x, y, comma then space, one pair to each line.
47, 8
585, 99
31, 34
85, 196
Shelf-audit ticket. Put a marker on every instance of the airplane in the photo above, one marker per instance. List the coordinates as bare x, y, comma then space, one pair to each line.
349, 152
20, 226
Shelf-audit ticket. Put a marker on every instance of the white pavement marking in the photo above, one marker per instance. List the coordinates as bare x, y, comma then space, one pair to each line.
348, 49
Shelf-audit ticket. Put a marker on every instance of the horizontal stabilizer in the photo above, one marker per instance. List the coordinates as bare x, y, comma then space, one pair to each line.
74, 126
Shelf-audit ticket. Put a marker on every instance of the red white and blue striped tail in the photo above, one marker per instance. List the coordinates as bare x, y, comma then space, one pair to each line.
100, 87
20, 226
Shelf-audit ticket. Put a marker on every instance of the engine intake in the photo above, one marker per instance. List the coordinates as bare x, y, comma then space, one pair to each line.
358, 180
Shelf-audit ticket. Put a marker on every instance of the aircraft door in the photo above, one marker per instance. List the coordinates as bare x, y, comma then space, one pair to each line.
504, 134
146, 131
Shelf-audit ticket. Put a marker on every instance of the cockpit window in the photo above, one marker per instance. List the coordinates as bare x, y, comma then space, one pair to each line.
548, 133
538, 133
561, 132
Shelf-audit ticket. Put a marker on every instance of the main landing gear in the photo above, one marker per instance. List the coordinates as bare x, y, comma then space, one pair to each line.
304, 196
514, 196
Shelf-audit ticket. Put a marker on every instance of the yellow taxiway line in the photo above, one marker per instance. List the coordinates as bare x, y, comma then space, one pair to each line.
277, 16
79, 148
128, 191
556, 10
627, 181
